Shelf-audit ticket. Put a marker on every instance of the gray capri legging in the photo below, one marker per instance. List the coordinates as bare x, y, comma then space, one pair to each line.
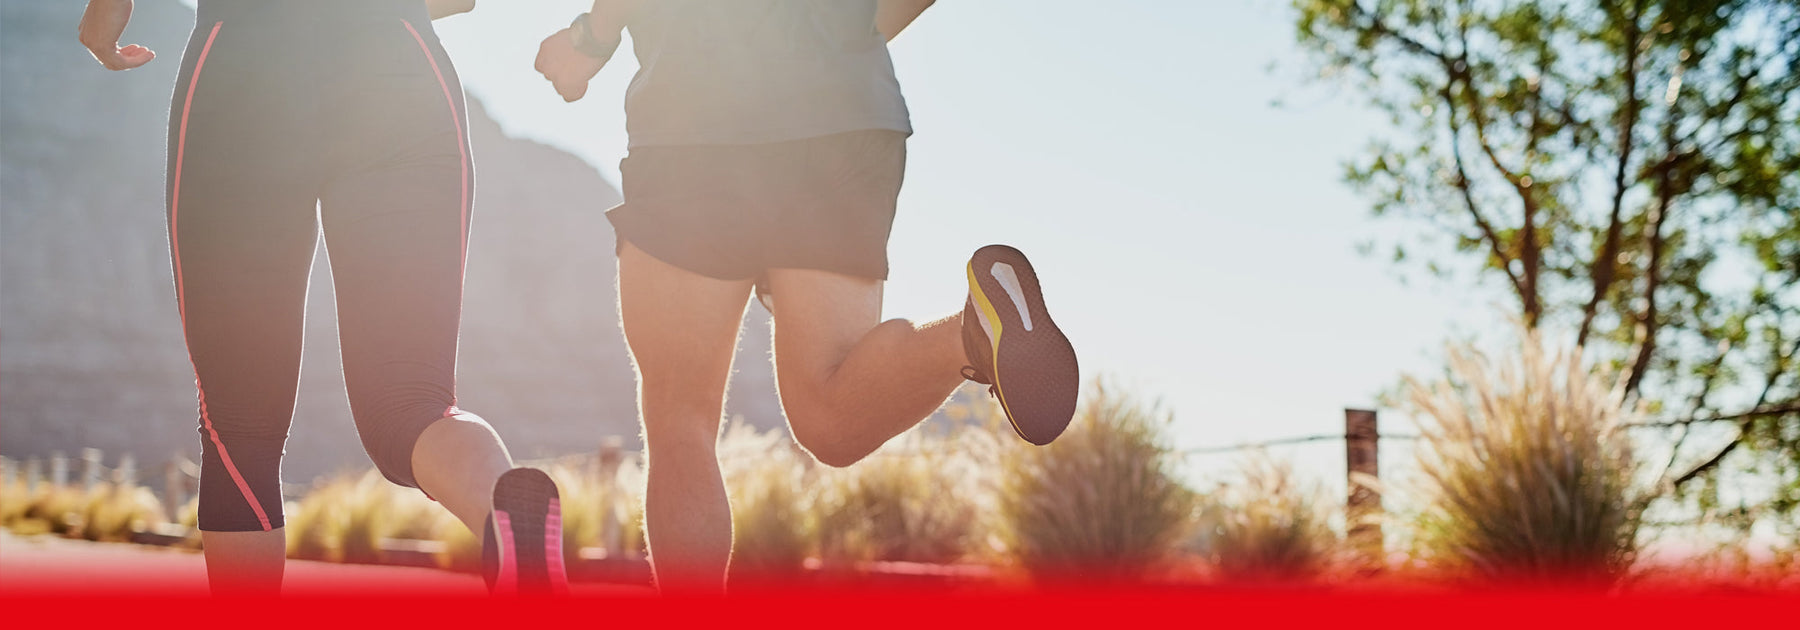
287, 116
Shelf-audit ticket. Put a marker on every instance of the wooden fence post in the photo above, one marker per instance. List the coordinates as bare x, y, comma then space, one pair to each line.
1362, 511
612, 532
34, 473
174, 488
59, 469
126, 474
90, 468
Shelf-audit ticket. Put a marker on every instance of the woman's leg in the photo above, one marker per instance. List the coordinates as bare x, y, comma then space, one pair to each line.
396, 237
396, 218
241, 238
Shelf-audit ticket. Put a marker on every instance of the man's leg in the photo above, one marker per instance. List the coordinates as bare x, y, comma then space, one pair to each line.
682, 330
850, 382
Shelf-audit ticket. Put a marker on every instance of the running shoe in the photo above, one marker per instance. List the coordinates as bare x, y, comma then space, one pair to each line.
522, 550
1014, 348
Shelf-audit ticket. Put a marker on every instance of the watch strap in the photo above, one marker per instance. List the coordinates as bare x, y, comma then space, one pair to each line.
582, 36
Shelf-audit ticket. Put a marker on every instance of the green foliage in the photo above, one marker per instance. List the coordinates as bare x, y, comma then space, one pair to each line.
1102, 502
1629, 171
1526, 471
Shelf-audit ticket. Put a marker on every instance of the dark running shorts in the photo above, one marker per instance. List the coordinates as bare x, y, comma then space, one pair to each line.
732, 212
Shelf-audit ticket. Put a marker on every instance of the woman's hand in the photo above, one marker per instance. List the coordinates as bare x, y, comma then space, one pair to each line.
446, 8
101, 25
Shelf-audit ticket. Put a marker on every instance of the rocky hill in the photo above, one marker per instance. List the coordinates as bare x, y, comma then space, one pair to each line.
91, 352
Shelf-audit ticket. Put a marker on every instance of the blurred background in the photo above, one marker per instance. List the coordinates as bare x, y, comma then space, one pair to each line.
1249, 216
1193, 238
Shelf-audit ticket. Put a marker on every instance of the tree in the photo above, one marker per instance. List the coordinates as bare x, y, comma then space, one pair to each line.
1629, 169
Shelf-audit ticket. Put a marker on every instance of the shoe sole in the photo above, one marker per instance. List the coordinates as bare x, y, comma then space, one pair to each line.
528, 525
1036, 376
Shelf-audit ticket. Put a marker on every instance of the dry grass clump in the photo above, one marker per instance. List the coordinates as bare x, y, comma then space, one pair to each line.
116, 511
912, 501
188, 515
598, 513
462, 548
1267, 525
772, 526
54, 509
106, 511
345, 518
1526, 471
15, 499
1102, 502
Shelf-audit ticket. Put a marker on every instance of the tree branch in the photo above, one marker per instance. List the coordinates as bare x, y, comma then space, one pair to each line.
1456, 69
1492, 237
1709, 464
1527, 242
1662, 478
1375, 26
1496, 245
1647, 321
1760, 411
1666, 184
1605, 267
1744, 419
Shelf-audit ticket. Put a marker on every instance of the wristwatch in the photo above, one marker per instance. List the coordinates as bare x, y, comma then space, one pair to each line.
583, 38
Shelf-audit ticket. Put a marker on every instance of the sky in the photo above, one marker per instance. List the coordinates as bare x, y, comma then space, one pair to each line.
1194, 240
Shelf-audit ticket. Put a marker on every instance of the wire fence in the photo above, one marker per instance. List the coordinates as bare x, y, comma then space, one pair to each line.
1652, 425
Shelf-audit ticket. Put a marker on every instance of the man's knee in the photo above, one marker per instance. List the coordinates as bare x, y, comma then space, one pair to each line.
680, 414
821, 432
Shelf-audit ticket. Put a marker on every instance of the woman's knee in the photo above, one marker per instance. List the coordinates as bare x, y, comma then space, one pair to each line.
390, 433
240, 481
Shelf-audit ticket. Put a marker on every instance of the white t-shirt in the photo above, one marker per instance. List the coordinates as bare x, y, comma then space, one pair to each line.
759, 71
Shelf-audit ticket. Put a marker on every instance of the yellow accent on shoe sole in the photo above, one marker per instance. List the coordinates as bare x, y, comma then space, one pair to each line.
993, 318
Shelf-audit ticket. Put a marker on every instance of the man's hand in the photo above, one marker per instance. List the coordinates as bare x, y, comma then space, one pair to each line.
447, 8
565, 67
101, 25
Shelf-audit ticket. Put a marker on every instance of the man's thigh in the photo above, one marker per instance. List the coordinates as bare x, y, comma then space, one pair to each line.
819, 317
681, 326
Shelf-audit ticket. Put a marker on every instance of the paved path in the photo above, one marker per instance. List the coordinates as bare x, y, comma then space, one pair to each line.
47, 565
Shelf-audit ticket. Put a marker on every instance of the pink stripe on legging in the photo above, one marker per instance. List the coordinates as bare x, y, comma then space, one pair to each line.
461, 147
181, 287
